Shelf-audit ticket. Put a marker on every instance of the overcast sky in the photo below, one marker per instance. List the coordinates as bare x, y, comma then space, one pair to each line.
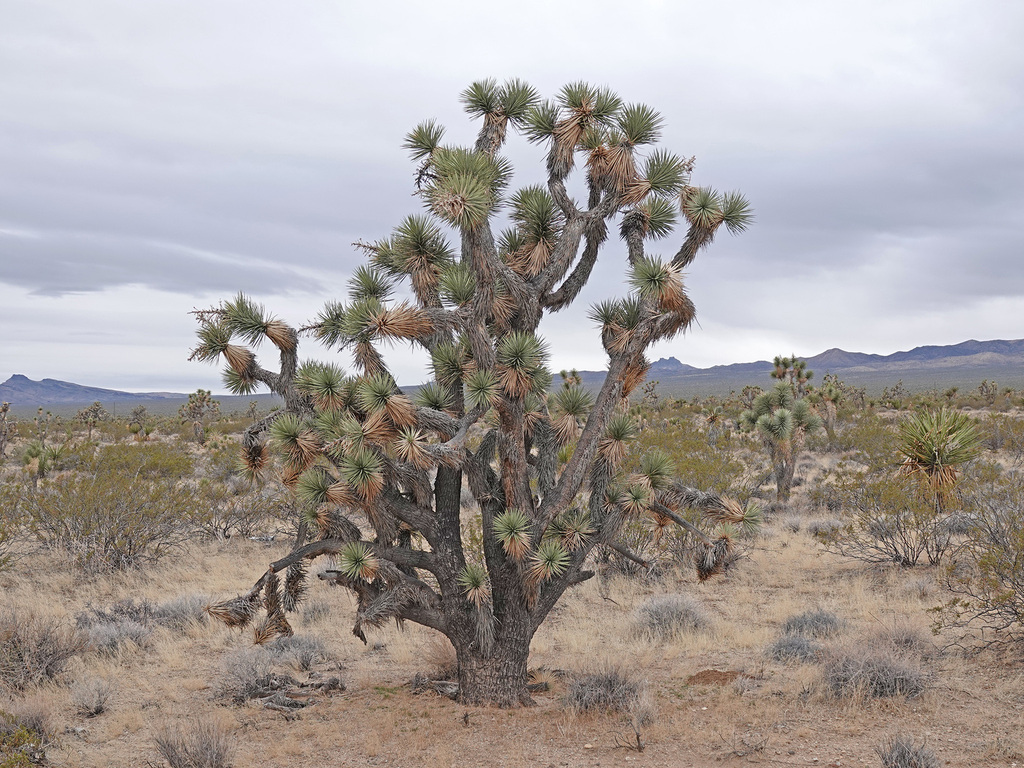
159, 155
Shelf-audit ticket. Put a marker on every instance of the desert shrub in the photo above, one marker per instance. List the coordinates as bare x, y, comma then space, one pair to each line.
704, 466
987, 573
892, 523
145, 461
871, 440
106, 521
201, 744
22, 740
125, 625
301, 652
182, 612
824, 528
794, 648
864, 671
901, 752
903, 637
34, 649
90, 696
816, 623
136, 611
235, 507
610, 688
664, 617
249, 674
110, 638
11, 522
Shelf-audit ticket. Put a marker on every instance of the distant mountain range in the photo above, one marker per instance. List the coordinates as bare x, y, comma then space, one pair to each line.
931, 367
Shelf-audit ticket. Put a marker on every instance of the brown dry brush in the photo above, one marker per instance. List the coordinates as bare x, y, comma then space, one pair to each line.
381, 473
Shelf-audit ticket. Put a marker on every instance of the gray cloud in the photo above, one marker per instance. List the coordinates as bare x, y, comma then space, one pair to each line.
165, 153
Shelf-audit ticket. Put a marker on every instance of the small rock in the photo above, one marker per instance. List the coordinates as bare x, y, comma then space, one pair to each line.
588, 746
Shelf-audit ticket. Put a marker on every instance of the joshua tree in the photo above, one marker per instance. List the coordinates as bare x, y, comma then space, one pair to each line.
382, 473
91, 416
827, 399
8, 427
200, 408
782, 422
794, 370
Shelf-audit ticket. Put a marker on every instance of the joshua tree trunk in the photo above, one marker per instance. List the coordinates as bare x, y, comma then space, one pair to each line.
499, 677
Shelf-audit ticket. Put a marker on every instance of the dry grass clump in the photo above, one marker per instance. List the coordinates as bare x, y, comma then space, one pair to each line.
109, 638
825, 528
903, 637
794, 648
858, 671
817, 623
610, 688
200, 745
303, 652
664, 617
315, 611
90, 696
901, 752
34, 649
182, 612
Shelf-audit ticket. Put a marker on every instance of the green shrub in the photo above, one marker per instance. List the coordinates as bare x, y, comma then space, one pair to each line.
109, 521
987, 574
891, 523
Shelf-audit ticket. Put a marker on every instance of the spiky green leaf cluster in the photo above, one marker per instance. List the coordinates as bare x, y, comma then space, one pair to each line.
658, 468
458, 286
482, 389
549, 561
325, 384
659, 215
424, 139
245, 319
433, 395
466, 185
651, 278
666, 173
357, 561
312, 487
367, 282
521, 350
512, 529
600, 104
572, 401
639, 124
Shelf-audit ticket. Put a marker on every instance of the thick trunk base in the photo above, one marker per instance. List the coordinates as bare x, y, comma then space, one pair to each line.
499, 680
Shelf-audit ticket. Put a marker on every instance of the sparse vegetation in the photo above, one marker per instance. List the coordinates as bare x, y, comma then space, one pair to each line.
665, 617
200, 745
901, 751
856, 670
612, 688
